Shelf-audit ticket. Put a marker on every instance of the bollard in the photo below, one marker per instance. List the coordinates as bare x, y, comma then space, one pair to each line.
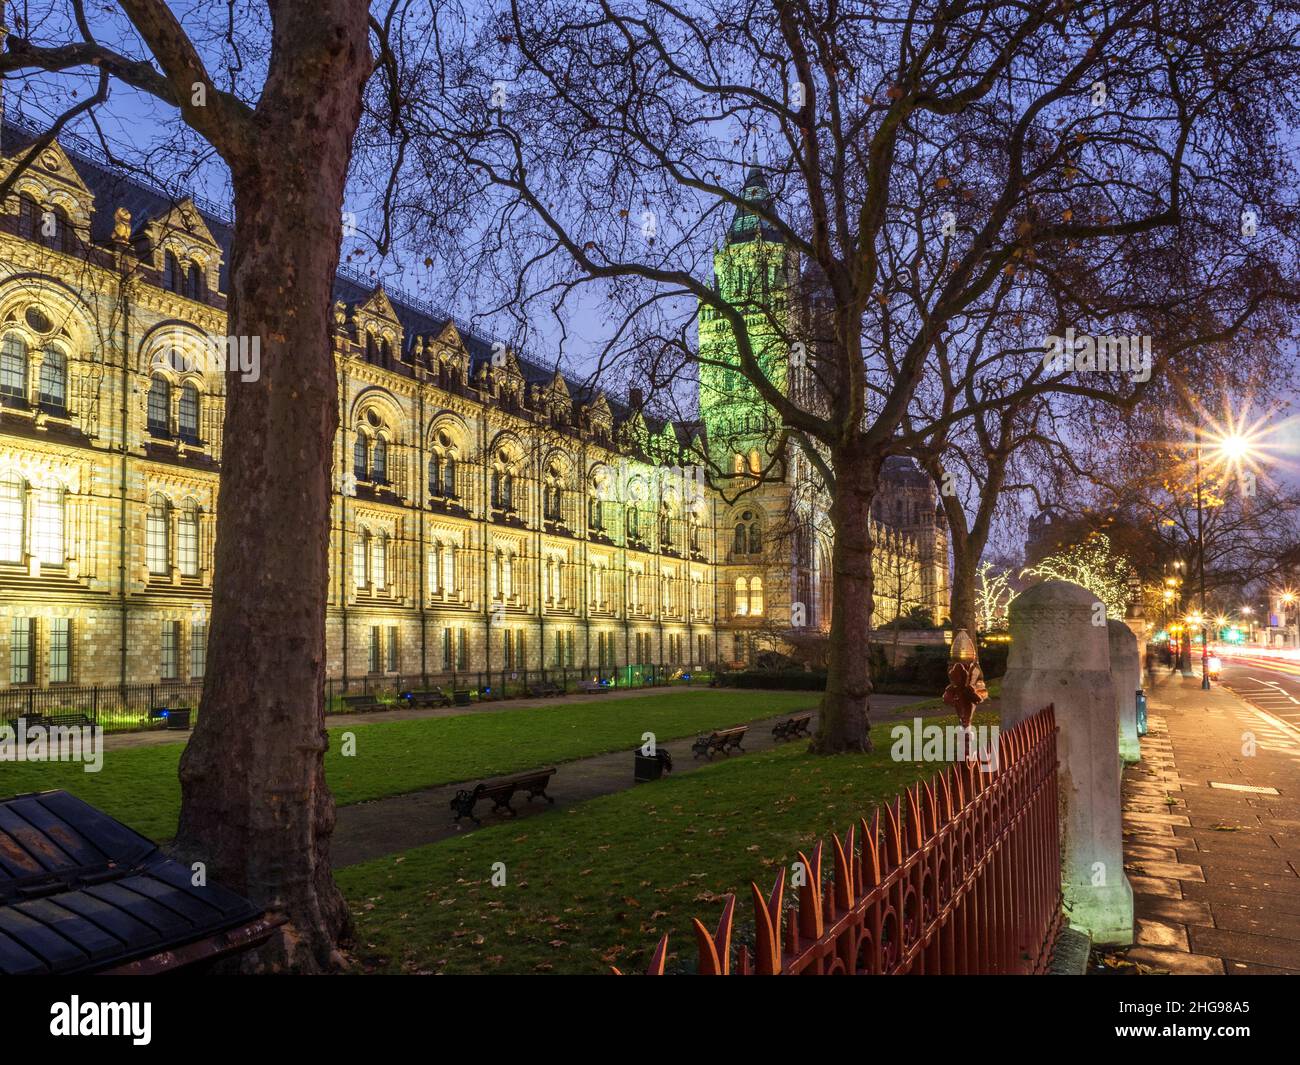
1060, 654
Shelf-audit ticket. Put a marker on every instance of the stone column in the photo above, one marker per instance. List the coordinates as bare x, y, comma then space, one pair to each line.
1126, 673
1060, 654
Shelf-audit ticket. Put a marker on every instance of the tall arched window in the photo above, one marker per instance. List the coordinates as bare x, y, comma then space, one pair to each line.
449, 476
187, 539
171, 272
379, 461
755, 596
742, 597
739, 545
633, 522
187, 413
379, 561
11, 520
755, 538
194, 281
361, 458
755, 463
29, 217
160, 405
157, 539
360, 557
63, 237
13, 367
47, 527
53, 389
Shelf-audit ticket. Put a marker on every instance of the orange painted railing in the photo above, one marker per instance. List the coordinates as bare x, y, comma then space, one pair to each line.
960, 874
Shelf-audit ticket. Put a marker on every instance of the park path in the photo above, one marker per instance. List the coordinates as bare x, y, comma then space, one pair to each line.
1215, 870
397, 823
157, 737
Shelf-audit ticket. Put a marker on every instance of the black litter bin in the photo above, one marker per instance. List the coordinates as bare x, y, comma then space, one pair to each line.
651, 767
82, 893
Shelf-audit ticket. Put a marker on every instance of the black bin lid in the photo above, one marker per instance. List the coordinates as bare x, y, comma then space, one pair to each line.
80, 891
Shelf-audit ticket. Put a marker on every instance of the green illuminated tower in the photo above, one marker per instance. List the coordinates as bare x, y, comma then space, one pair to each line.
756, 272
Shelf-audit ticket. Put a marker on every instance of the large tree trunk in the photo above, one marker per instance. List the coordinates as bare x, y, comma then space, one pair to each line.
255, 806
843, 723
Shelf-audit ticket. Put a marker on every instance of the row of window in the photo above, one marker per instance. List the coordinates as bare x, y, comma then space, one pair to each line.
50, 226
51, 379
158, 537
31, 523
25, 641
159, 414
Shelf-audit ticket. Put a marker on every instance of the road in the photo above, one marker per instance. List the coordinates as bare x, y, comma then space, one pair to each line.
1272, 685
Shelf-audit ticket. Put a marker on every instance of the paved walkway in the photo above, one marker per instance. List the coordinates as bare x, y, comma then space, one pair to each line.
1212, 835
387, 826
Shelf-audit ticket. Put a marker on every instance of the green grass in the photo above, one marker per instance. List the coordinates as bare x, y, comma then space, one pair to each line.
138, 785
597, 884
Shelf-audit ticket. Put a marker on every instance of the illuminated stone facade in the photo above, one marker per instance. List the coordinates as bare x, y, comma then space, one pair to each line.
487, 517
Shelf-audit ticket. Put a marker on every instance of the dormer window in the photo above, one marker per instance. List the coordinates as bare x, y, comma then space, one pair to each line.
171, 272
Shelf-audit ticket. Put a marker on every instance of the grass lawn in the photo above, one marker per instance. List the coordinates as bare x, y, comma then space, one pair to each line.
138, 785
598, 883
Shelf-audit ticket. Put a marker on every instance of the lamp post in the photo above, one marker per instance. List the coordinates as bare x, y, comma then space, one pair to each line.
1200, 563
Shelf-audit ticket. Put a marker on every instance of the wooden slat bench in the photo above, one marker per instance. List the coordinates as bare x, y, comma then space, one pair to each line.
725, 740
794, 726
591, 687
501, 791
427, 697
545, 690
362, 704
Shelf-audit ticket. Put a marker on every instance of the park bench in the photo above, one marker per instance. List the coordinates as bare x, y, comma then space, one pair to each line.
591, 687
32, 720
362, 704
501, 791
70, 719
426, 697
795, 726
725, 740
545, 690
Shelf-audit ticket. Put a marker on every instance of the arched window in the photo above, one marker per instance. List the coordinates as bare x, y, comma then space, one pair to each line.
13, 367
160, 405
187, 539
742, 597
755, 463
360, 557
194, 281
53, 389
372, 349
11, 520
187, 413
739, 545
63, 237
738, 464
665, 525
171, 272
755, 538
596, 517
449, 569
633, 521
755, 596
47, 527
552, 498
361, 458
379, 561
449, 476
157, 540
29, 217
503, 489
379, 461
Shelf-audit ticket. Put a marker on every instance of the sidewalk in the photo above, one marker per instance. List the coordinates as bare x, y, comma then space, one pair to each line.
1212, 835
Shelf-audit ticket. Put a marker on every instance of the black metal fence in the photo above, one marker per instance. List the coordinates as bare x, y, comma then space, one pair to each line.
133, 707
114, 707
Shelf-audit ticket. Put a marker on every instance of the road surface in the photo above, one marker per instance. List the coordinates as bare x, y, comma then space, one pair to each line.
1271, 684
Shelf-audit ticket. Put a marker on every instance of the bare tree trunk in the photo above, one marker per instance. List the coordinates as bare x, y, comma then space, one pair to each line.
843, 723
963, 609
255, 806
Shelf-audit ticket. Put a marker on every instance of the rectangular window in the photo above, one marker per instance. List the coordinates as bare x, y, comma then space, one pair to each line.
392, 649
462, 650
446, 649
198, 649
13, 367
507, 650
375, 648
521, 660
449, 570
171, 638
22, 641
60, 650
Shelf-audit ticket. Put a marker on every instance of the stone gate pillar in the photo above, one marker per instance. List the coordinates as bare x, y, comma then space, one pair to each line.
1126, 673
1060, 654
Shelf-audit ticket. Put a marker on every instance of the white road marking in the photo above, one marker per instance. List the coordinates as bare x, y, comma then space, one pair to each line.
1244, 787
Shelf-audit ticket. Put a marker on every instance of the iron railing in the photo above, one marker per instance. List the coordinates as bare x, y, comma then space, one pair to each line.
113, 707
958, 875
